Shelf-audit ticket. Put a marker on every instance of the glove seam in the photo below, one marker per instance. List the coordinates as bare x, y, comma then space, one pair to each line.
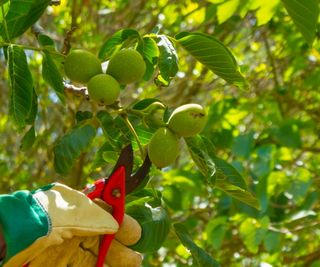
49, 221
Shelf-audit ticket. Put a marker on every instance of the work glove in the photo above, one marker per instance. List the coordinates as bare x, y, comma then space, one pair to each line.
57, 226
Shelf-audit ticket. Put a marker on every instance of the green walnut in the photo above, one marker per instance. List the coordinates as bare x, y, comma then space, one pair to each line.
163, 148
127, 66
188, 120
80, 66
104, 89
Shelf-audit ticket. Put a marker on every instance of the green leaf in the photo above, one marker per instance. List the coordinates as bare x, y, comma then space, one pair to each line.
216, 230
144, 103
52, 76
149, 50
116, 40
214, 55
226, 10
200, 257
21, 15
155, 224
304, 14
243, 145
253, 232
28, 139
287, 134
5, 5
21, 86
2, 2
200, 156
99, 160
45, 40
115, 129
71, 145
168, 61
34, 109
83, 115
218, 172
272, 241
266, 11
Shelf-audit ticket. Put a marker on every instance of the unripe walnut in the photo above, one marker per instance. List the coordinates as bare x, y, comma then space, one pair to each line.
163, 148
80, 66
104, 89
188, 120
127, 66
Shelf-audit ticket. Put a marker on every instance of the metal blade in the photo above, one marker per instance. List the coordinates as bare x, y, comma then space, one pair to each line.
136, 179
126, 160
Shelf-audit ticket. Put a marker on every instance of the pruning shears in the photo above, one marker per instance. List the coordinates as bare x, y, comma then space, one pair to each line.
113, 190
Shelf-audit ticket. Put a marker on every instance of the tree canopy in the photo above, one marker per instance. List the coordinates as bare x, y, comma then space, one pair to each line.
244, 192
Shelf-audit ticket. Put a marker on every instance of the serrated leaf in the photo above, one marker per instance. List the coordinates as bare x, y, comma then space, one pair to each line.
214, 55
28, 139
305, 14
116, 40
155, 224
218, 172
52, 76
21, 86
21, 15
71, 145
168, 61
200, 257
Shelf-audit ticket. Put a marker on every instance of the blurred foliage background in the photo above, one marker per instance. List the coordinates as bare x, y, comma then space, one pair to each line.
269, 132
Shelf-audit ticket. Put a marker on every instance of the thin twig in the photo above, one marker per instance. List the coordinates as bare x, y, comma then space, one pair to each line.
133, 131
76, 90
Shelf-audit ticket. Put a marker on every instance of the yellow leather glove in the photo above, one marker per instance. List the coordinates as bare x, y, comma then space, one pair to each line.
57, 226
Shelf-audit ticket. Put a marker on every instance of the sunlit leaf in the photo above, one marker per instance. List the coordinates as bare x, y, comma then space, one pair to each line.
266, 11
22, 14
200, 257
150, 52
168, 61
214, 55
5, 6
305, 14
253, 232
116, 40
227, 9
21, 86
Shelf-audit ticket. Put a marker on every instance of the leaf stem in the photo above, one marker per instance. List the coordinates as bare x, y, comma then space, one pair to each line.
133, 131
28, 47
135, 112
5, 24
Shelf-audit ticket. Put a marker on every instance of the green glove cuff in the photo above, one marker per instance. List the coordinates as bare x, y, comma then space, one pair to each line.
23, 220
33, 221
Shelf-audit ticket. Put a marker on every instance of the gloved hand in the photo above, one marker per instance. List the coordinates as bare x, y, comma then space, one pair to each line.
57, 226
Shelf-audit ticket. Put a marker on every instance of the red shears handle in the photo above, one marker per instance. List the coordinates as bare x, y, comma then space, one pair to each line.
111, 191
